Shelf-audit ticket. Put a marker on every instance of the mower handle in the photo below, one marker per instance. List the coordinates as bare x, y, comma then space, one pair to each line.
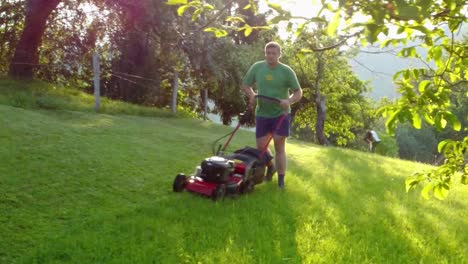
268, 98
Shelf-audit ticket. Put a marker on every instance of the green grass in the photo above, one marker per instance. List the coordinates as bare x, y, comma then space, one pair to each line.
41, 95
81, 187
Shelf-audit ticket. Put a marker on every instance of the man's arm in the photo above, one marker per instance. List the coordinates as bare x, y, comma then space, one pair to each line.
293, 98
250, 93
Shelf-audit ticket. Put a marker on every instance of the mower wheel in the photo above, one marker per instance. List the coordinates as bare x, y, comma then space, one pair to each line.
247, 187
179, 183
219, 192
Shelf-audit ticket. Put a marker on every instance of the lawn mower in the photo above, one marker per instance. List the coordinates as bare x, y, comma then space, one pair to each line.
233, 174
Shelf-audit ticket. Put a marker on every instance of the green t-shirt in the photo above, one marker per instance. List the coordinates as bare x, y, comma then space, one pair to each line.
275, 82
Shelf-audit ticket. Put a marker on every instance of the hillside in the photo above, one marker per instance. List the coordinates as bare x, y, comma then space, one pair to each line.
81, 187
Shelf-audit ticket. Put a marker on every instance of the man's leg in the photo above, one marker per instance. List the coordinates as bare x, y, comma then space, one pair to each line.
261, 142
280, 158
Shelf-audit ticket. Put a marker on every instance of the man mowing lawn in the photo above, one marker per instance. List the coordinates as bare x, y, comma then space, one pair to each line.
274, 79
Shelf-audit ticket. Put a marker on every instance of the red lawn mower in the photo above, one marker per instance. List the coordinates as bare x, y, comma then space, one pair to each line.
233, 174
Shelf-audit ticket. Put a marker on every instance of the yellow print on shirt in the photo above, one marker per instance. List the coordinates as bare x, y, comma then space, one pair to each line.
269, 77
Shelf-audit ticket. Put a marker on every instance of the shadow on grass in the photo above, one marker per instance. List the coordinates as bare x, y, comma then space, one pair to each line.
183, 228
365, 201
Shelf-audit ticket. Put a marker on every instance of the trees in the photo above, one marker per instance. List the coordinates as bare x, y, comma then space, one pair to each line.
26, 55
333, 96
11, 22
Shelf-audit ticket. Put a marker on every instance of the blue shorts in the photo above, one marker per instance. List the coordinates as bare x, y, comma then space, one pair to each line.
265, 125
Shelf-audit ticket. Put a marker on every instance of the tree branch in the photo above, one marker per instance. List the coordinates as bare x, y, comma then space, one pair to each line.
341, 42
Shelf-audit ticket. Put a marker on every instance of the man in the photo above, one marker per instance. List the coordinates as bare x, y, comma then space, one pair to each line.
275, 79
372, 139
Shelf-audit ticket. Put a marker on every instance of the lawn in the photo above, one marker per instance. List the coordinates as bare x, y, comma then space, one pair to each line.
81, 187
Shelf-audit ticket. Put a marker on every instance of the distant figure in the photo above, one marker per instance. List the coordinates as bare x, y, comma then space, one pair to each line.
372, 139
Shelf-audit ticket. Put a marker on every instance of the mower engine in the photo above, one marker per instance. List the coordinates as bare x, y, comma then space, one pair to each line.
217, 176
216, 169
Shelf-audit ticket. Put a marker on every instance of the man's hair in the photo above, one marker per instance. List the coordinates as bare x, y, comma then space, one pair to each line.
273, 44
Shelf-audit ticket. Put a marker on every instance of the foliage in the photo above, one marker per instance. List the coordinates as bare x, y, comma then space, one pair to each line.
426, 91
419, 145
346, 107
11, 23
231, 63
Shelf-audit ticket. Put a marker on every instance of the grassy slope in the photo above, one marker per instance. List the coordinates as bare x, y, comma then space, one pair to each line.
86, 188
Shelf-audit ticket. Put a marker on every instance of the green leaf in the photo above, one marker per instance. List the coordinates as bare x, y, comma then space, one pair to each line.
400, 30
442, 122
428, 118
437, 53
453, 120
278, 18
221, 33
317, 20
422, 29
425, 191
374, 31
247, 31
422, 85
210, 29
397, 74
391, 121
428, 41
416, 120
276, 7
452, 5
181, 10
441, 190
208, 7
409, 12
306, 51
176, 2
333, 26
385, 43
234, 19
454, 24
410, 183
300, 28
248, 6
441, 145
464, 180
218, 32
196, 14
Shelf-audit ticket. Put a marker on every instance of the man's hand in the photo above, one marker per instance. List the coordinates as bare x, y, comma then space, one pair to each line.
252, 101
250, 94
284, 104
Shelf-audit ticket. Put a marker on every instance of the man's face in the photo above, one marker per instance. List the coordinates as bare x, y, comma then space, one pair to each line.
272, 55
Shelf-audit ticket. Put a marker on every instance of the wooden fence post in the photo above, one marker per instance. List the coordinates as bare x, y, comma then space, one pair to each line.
175, 89
97, 102
205, 98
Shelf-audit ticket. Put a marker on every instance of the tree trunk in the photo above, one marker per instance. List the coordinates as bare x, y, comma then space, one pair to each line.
320, 124
27, 50
320, 104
